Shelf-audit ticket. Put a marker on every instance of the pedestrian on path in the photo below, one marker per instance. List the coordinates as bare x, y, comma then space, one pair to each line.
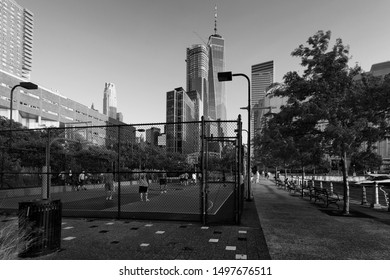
108, 179
163, 183
70, 180
194, 178
143, 187
82, 181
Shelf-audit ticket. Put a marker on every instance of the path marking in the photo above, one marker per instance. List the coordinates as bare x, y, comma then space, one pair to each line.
242, 231
68, 227
212, 240
160, 232
69, 238
230, 248
241, 257
144, 245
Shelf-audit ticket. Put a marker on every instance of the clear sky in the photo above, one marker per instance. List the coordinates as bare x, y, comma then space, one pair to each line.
140, 45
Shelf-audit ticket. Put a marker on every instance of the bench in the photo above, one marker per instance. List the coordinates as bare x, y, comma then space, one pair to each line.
279, 183
323, 194
305, 190
296, 188
291, 186
314, 193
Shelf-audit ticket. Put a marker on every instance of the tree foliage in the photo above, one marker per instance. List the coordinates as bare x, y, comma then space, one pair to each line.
332, 109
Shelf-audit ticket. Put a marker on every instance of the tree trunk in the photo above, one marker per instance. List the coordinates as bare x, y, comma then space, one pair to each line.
346, 185
285, 171
303, 179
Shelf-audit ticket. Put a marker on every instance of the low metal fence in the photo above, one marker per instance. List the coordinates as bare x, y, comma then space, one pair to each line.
369, 195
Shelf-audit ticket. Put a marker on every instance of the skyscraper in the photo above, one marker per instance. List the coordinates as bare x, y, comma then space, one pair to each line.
180, 108
197, 73
151, 136
16, 33
203, 64
262, 77
217, 94
109, 101
383, 147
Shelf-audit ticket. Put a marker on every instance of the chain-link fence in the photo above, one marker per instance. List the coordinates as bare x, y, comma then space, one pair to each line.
181, 171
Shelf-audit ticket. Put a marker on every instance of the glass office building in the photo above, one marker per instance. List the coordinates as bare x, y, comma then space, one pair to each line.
262, 78
197, 73
110, 101
217, 94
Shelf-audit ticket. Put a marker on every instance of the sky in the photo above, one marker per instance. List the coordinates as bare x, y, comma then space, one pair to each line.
140, 45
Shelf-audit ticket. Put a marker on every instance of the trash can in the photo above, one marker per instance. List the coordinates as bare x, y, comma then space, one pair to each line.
39, 227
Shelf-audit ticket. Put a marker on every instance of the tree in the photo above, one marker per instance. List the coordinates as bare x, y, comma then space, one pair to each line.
329, 106
363, 161
284, 142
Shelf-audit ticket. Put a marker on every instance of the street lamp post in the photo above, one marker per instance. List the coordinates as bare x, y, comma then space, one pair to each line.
26, 85
46, 169
228, 76
141, 130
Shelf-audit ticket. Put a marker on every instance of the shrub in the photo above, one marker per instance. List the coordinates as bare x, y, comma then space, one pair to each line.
12, 240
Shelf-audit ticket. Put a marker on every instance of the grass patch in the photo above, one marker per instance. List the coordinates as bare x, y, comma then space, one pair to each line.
12, 240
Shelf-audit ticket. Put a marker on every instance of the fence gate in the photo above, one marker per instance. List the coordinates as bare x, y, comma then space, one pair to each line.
222, 191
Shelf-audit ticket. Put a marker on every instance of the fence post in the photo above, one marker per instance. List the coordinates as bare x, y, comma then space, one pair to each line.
331, 188
118, 171
46, 170
375, 204
238, 198
364, 196
320, 184
204, 173
2, 167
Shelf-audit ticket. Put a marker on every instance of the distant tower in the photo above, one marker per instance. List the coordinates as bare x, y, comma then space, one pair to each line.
16, 39
197, 73
262, 78
109, 101
180, 108
151, 136
217, 94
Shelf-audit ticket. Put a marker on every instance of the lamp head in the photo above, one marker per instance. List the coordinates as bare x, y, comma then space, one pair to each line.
28, 85
225, 76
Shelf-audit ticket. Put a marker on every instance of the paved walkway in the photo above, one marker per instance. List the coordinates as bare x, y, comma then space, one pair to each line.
295, 228
276, 225
94, 239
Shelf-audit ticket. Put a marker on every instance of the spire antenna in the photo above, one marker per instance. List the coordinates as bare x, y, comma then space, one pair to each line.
215, 19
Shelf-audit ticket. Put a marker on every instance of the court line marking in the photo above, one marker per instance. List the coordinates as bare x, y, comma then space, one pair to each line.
69, 238
241, 257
